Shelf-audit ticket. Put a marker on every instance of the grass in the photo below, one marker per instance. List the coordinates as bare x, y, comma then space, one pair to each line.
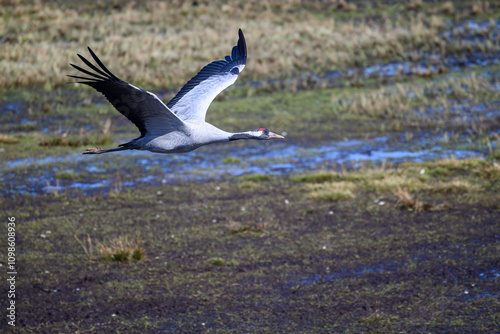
83, 138
235, 227
120, 249
8, 139
442, 177
255, 178
406, 201
318, 265
74, 140
231, 161
150, 41
66, 175
216, 261
332, 191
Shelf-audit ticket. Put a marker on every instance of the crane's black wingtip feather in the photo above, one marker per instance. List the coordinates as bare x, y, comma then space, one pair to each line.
103, 77
242, 44
84, 78
99, 62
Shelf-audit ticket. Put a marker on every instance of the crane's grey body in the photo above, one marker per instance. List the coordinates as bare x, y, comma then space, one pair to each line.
182, 140
180, 125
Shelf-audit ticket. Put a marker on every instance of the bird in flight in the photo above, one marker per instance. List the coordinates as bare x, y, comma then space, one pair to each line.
179, 126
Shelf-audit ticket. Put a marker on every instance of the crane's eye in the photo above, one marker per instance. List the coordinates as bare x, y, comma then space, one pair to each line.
264, 130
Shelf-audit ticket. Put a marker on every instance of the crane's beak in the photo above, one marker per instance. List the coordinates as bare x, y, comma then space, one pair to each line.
273, 135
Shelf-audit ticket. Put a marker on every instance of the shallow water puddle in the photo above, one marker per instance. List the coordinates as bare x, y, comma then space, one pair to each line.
492, 274
104, 173
329, 276
350, 273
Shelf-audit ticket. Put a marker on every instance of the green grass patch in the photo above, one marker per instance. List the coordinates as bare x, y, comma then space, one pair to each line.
216, 261
231, 161
255, 178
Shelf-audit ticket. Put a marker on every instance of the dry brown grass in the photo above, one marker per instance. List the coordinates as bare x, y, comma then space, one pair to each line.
164, 43
407, 202
448, 8
402, 100
121, 249
392, 181
447, 176
235, 227
8, 139
118, 249
456, 186
82, 138
332, 191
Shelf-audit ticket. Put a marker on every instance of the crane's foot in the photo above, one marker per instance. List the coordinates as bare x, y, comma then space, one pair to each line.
94, 150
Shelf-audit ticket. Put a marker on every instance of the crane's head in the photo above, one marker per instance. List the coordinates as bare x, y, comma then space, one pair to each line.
261, 134
265, 134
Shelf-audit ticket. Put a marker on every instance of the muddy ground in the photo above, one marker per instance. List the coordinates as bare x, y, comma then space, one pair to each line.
256, 255
379, 213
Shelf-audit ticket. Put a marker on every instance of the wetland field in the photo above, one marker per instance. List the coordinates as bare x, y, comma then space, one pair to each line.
379, 212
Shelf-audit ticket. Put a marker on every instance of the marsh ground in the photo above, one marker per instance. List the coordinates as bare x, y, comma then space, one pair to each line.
380, 212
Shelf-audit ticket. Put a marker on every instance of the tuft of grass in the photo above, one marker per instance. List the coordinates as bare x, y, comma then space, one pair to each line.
332, 191
235, 227
456, 187
74, 140
448, 8
248, 185
231, 161
83, 138
255, 178
327, 176
118, 249
87, 245
407, 202
8, 139
415, 5
216, 261
391, 181
316, 177
66, 175
491, 172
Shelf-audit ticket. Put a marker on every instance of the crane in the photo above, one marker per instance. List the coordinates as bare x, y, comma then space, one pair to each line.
179, 126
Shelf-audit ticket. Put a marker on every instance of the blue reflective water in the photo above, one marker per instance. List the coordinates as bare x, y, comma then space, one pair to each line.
491, 274
350, 273
133, 168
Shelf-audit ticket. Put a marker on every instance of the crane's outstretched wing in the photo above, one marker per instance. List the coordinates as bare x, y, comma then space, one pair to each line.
193, 100
141, 107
